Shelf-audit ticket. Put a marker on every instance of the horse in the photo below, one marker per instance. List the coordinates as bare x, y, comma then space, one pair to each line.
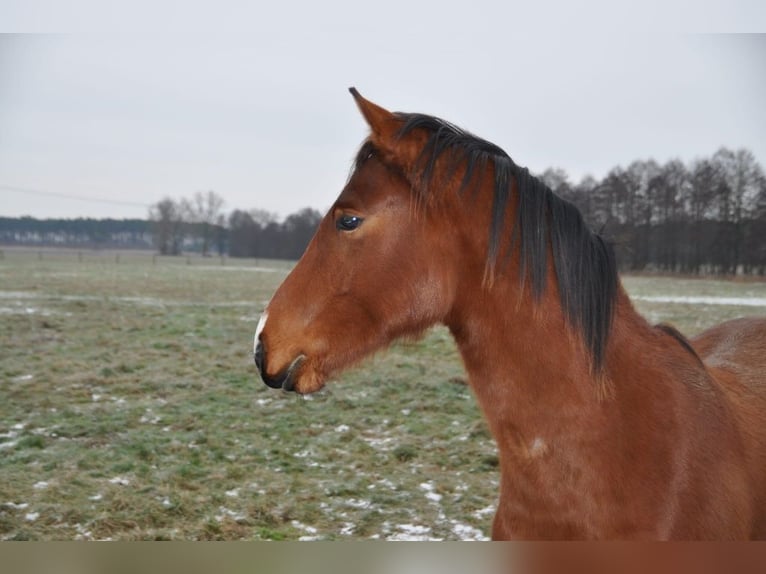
607, 427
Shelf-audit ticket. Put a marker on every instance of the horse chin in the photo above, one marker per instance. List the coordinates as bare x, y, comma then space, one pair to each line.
306, 380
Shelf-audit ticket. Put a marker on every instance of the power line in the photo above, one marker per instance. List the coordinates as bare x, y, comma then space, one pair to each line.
68, 196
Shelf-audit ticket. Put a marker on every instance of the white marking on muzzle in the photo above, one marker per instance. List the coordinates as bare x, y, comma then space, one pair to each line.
259, 328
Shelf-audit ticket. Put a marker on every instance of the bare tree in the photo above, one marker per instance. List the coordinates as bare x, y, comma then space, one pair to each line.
558, 180
738, 190
205, 209
263, 218
167, 217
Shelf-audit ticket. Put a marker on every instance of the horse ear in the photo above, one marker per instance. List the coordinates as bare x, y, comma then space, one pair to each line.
384, 124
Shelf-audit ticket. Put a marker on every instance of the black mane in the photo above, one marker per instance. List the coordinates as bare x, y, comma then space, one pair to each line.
584, 262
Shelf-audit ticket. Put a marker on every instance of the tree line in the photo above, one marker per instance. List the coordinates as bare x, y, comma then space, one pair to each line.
175, 226
705, 217
198, 224
80, 232
708, 217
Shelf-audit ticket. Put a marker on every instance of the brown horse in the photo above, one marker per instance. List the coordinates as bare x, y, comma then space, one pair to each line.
606, 426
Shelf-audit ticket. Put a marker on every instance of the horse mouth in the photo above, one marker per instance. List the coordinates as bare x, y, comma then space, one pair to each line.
285, 379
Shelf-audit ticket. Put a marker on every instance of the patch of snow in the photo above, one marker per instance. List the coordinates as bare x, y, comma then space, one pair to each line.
379, 443
82, 533
412, 532
233, 493
467, 532
149, 418
22, 378
356, 503
311, 532
41, 485
484, 512
430, 494
342, 428
119, 480
226, 512
387, 483
14, 506
239, 268
433, 497
703, 300
96, 497
31, 516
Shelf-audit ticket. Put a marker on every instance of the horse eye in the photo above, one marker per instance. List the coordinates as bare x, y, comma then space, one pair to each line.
348, 222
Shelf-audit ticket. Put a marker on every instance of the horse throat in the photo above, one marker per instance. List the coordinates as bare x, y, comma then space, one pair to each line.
531, 372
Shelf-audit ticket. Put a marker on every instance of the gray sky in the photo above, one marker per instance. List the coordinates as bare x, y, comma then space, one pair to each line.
133, 105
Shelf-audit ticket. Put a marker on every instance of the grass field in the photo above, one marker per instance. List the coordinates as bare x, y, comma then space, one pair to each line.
130, 409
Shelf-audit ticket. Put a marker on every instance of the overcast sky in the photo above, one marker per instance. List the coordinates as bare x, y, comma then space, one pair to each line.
253, 103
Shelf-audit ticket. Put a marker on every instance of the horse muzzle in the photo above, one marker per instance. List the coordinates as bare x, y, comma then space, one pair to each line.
285, 379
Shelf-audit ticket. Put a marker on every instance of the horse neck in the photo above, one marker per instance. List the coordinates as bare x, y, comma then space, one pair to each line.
530, 372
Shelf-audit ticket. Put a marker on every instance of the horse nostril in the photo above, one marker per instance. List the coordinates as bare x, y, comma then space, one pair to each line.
258, 356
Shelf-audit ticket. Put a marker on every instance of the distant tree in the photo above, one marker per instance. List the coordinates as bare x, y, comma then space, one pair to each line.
582, 195
755, 243
299, 228
204, 210
558, 180
739, 177
167, 217
257, 233
700, 209
263, 218
670, 186
221, 237
242, 234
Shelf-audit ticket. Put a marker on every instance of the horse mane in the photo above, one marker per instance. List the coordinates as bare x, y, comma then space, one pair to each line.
584, 262
678, 336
